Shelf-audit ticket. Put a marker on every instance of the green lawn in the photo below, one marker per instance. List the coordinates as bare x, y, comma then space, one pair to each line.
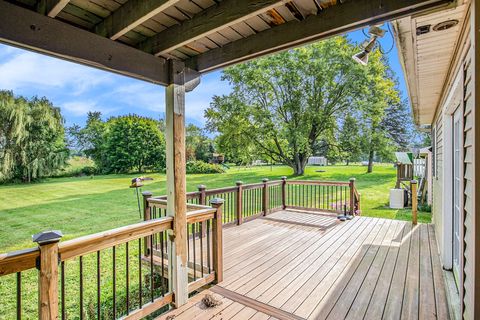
84, 205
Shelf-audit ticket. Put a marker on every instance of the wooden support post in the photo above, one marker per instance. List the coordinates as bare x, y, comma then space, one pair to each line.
352, 196
239, 204
284, 192
147, 215
265, 197
48, 275
217, 240
413, 188
176, 181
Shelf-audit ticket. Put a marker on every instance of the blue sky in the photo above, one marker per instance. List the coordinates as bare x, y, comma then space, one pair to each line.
76, 89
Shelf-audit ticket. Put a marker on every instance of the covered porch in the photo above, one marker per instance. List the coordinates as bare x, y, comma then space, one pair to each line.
283, 264
295, 264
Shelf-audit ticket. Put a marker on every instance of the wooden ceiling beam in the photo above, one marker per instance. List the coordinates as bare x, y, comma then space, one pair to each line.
222, 15
130, 15
332, 21
30, 30
51, 8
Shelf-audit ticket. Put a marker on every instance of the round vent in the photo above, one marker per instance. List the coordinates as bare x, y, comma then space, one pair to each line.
445, 25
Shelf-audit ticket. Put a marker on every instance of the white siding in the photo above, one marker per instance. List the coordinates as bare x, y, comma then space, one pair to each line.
468, 189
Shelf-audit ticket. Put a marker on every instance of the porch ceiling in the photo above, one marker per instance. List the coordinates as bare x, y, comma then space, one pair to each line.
136, 37
426, 58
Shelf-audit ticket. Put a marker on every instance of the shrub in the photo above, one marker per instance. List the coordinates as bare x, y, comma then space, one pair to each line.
203, 167
89, 170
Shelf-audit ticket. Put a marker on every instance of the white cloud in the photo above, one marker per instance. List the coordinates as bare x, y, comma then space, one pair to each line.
142, 95
22, 69
80, 108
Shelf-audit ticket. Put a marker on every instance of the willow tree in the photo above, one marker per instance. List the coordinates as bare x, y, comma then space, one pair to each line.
284, 103
32, 138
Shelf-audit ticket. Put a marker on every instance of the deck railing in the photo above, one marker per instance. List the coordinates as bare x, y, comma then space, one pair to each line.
124, 272
244, 202
119, 273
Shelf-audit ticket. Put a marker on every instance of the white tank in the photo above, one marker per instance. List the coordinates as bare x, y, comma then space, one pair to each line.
396, 198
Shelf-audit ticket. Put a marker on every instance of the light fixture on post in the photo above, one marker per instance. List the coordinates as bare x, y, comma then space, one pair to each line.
362, 57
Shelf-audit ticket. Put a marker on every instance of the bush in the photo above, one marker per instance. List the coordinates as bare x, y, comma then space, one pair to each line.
89, 170
203, 167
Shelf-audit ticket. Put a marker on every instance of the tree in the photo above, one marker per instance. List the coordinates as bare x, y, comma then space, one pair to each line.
133, 143
284, 103
384, 117
32, 138
197, 144
348, 139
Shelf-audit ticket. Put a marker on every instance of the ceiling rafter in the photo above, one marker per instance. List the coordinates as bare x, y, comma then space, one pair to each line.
130, 15
213, 19
51, 8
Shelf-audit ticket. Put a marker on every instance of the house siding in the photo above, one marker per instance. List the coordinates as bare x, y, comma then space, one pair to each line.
437, 185
469, 248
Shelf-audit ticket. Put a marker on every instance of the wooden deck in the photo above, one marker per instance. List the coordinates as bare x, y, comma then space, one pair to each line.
300, 265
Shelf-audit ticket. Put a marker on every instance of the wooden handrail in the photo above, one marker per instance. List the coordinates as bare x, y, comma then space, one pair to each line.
201, 215
17, 261
98, 241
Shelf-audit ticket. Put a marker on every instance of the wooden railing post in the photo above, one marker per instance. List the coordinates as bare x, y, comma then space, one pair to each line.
203, 197
147, 215
352, 196
284, 192
146, 208
202, 200
48, 275
265, 197
239, 205
413, 188
217, 239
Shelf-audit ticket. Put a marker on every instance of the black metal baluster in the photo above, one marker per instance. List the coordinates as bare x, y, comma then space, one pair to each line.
163, 267
19, 295
328, 197
188, 243
81, 288
127, 283
140, 273
98, 285
208, 247
114, 280
151, 268
194, 253
201, 249
62, 289
341, 198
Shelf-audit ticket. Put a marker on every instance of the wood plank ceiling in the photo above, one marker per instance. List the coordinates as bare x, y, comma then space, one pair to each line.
206, 34
149, 29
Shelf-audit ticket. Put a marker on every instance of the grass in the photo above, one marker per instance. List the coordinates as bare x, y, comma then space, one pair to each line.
84, 205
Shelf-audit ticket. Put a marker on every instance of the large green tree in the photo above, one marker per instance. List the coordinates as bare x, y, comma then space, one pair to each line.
121, 144
32, 138
133, 143
283, 104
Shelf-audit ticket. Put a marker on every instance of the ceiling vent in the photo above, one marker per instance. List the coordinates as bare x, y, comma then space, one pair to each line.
423, 29
445, 25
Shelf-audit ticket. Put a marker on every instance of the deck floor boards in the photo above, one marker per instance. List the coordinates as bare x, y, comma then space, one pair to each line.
300, 265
